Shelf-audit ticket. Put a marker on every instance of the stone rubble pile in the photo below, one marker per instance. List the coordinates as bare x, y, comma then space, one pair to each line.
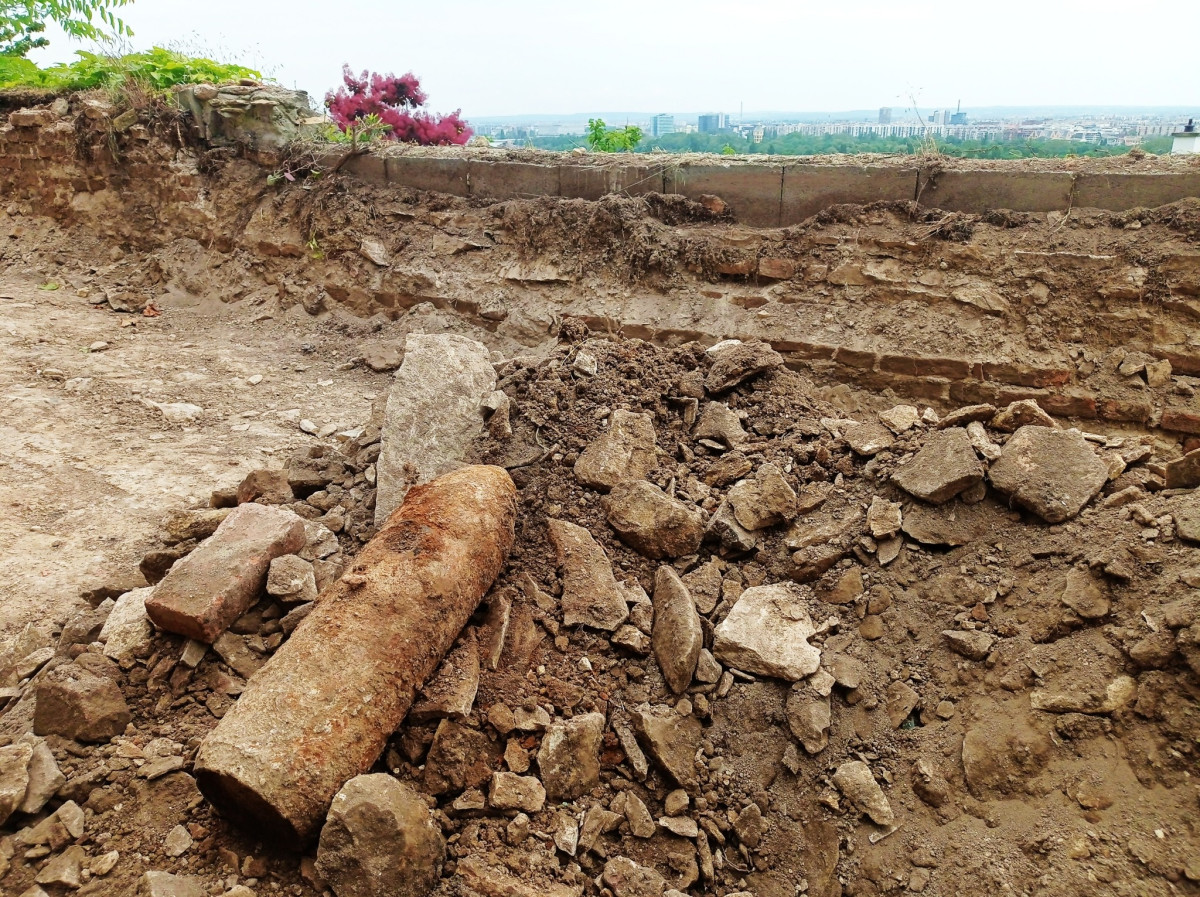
733, 612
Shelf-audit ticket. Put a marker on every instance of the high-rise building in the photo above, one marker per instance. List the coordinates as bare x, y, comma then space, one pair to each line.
885, 115
662, 124
713, 122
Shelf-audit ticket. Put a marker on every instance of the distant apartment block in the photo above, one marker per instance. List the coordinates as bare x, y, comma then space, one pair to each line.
713, 122
885, 115
662, 124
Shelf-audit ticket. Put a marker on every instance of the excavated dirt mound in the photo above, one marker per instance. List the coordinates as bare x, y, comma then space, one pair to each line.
1024, 693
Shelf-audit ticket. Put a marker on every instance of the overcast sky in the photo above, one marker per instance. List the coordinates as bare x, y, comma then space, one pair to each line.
557, 57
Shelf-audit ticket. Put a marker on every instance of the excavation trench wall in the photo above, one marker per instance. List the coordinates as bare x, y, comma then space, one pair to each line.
139, 188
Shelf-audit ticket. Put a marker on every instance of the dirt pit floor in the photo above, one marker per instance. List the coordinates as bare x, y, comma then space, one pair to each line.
1003, 704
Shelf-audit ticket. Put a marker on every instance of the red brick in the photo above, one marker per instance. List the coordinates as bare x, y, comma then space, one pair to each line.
1126, 410
776, 269
855, 358
974, 392
1026, 375
954, 368
1180, 421
801, 349
898, 364
218, 582
30, 118
1006, 396
929, 388
1070, 404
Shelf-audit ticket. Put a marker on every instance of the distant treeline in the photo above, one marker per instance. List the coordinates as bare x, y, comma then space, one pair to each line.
826, 144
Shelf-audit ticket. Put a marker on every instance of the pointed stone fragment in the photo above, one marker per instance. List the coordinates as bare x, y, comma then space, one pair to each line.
677, 637
450, 694
591, 596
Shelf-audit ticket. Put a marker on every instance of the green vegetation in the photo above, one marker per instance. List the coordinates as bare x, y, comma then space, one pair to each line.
156, 71
23, 22
827, 144
603, 139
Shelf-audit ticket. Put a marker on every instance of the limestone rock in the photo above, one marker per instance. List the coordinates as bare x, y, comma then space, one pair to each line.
868, 439
809, 716
450, 692
292, 580
268, 487
641, 823
720, 423
652, 523
765, 500
962, 416
75, 703
677, 637
590, 596
750, 826
900, 418
237, 654
671, 739
971, 644
65, 869
847, 589
1085, 594
1025, 413
627, 450
569, 758
884, 517
901, 700
704, 584
45, 778
510, 791
14, 777
489, 881
383, 355
1184, 473
727, 532
767, 632
182, 525
855, 781
942, 469
597, 822
738, 363
126, 633
434, 410
1052, 473
459, 758
625, 878
729, 468
1186, 513
380, 840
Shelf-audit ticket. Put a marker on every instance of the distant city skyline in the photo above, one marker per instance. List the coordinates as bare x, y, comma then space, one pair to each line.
544, 58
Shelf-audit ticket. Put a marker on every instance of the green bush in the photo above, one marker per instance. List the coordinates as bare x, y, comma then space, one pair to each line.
158, 70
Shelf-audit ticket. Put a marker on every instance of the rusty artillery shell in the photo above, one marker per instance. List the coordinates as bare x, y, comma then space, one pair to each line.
322, 708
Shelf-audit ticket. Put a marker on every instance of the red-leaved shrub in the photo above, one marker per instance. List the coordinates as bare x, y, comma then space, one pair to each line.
397, 102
